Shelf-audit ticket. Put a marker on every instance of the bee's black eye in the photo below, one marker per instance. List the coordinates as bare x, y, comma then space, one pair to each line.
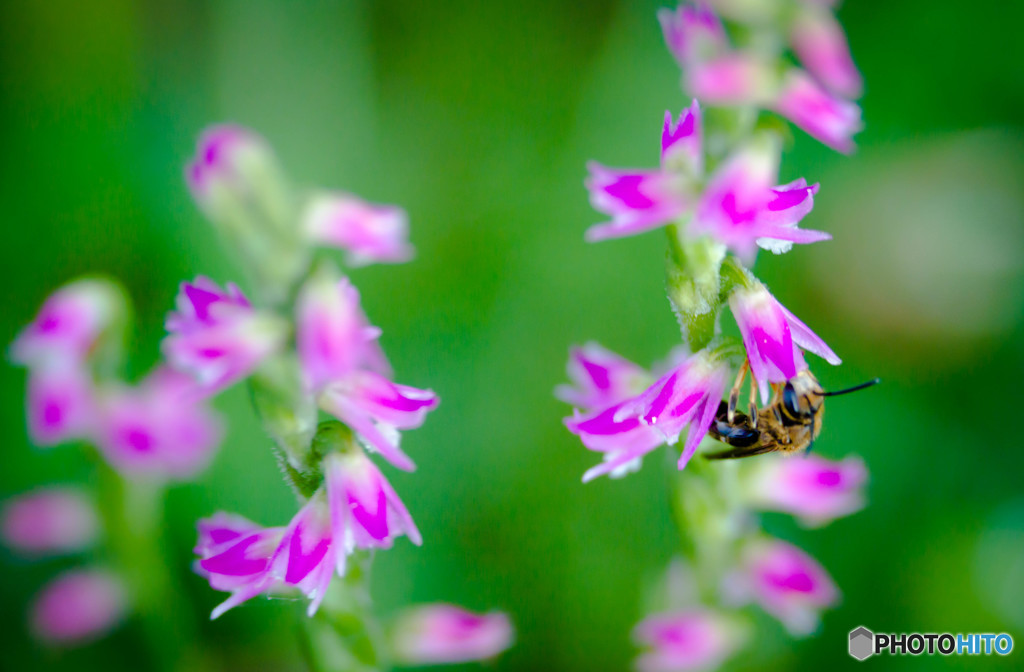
791, 403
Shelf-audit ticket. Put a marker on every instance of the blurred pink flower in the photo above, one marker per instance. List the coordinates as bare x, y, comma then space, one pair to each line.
684, 641
50, 520
219, 161
157, 428
787, 583
831, 120
344, 366
216, 336
78, 606
820, 43
688, 395
368, 232
600, 378
773, 337
814, 489
434, 634
61, 402
69, 324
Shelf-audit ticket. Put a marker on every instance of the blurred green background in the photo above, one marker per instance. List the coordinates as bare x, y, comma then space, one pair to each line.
478, 117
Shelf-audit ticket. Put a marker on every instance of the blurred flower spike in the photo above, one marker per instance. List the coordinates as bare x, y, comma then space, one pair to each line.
757, 74
78, 606
739, 206
434, 634
696, 639
216, 336
52, 520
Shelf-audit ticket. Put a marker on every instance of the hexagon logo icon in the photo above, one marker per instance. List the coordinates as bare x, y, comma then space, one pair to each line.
862, 643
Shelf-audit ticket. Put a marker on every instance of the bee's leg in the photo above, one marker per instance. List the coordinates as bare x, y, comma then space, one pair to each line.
734, 393
753, 400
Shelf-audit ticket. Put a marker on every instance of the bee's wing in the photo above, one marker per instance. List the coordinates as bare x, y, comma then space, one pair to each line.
748, 451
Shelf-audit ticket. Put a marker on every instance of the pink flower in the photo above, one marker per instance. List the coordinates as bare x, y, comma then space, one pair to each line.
637, 200
434, 634
742, 210
831, 120
787, 583
309, 554
814, 489
236, 556
224, 154
773, 337
345, 368
369, 233
696, 639
157, 428
78, 606
693, 33
216, 336
61, 402
70, 323
688, 395
600, 378
820, 43
365, 510
735, 78
50, 520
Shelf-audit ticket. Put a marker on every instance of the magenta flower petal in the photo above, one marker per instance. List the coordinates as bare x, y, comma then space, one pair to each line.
696, 639
734, 78
61, 403
221, 528
831, 120
49, 520
442, 633
692, 33
78, 606
369, 233
236, 556
682, 140
365, 511
379, 436
637, 200
773, 355
218, 164
600, 378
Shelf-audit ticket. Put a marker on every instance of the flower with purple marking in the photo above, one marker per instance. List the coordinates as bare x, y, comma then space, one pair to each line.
773, 337
369, 233
345, 368
433, 634
70, 324
157, 428
309, 554
681, 641
78, 606
787, 583
688, 395
366, 512
50, 520
814, 489
224, 155
741, 208
600, 378
216, 336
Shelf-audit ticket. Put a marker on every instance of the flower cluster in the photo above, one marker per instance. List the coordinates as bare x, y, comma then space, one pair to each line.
757, 74
717, 195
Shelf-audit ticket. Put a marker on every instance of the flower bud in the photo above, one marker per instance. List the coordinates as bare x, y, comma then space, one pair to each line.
820, 43
814, 489
831, 120
50, 520
78, 606
434, 634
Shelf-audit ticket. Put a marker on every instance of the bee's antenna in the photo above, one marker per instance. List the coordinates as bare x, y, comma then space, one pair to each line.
855, 388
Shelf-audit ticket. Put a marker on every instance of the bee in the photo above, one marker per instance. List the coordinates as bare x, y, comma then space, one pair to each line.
789, 424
